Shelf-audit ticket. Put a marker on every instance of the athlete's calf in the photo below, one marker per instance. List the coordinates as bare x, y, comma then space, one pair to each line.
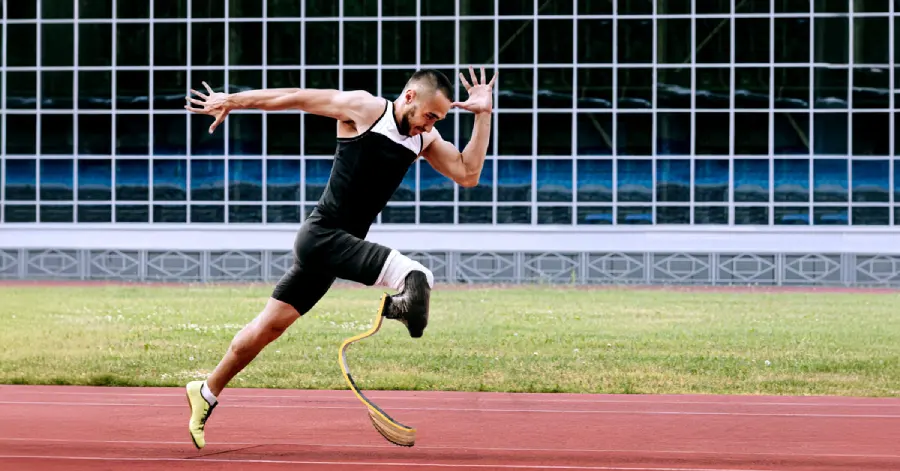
268, 326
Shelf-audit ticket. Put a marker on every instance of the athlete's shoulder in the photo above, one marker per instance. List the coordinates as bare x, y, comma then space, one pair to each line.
365, 110
368, 107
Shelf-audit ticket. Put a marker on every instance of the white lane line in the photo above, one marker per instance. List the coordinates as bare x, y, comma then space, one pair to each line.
458, 448
466, 409
364, 463
341, 395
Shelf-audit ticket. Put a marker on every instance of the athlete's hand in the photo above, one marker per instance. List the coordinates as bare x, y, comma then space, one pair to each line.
481, 99
215, 105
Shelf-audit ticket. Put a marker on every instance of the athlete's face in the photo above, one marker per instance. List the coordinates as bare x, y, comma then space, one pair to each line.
423, 111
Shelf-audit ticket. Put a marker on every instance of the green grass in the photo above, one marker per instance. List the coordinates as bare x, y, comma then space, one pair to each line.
524, 339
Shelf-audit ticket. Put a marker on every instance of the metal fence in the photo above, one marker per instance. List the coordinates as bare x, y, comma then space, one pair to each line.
776, 269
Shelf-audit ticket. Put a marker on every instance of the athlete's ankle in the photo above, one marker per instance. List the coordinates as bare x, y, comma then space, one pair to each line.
208, 394
215, 385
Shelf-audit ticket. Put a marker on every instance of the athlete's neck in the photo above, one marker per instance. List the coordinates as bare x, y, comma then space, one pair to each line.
400, 108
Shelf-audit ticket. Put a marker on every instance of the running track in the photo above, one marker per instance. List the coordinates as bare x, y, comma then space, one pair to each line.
80, 428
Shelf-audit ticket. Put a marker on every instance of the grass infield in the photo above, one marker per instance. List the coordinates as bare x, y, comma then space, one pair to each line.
519, 339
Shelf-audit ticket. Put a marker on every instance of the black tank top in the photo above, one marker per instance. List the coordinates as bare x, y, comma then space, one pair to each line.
367, 171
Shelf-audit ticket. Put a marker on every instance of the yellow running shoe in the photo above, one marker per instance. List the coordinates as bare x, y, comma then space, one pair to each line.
200, 411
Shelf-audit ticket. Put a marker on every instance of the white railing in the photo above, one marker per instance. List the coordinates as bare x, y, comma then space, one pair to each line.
706, 239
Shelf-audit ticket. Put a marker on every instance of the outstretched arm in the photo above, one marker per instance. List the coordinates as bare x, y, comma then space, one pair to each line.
347, 106
465, 167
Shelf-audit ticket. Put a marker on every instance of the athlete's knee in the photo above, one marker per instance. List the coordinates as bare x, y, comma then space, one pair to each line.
396, 270
415, 300
414, 281
273, 321
275, 318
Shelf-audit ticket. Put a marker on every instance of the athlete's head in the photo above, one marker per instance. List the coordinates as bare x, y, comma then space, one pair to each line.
426, 99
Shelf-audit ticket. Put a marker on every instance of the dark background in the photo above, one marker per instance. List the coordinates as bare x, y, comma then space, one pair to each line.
762, 115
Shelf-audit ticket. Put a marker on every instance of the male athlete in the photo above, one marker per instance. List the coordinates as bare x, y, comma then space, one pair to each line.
377, 141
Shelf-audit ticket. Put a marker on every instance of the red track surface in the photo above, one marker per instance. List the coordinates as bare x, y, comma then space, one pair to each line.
79, 428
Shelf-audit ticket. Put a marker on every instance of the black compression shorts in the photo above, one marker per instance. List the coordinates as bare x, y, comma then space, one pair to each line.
322, 255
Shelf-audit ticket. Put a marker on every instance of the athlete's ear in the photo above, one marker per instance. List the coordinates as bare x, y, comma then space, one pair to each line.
410, 95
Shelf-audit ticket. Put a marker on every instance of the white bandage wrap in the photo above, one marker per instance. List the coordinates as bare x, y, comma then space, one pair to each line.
396, 267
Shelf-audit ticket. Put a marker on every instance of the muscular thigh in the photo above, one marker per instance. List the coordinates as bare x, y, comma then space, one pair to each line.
302, 287
355, 259
340, 253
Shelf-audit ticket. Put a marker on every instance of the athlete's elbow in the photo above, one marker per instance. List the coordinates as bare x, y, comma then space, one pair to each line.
469, 180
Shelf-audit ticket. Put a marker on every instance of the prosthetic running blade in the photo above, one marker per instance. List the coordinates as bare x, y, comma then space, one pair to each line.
390, 429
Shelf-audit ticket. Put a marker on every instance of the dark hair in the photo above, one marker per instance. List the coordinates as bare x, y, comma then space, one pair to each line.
435, 79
